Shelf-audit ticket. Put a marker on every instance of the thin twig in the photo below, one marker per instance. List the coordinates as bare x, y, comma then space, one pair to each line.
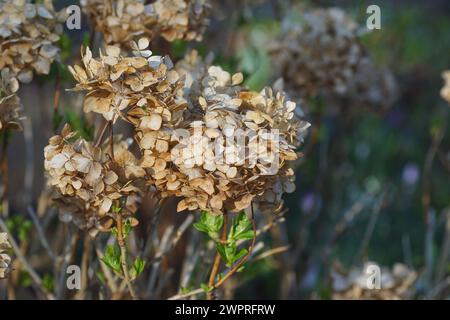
179, 233
111, 139
123, 256
40, 233
216, 265
271, 252
101, 134
243, 260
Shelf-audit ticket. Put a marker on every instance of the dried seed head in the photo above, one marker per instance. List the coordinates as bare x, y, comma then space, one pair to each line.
121, 21
28, 36
210, 169
88, 183
323, 55
117, 84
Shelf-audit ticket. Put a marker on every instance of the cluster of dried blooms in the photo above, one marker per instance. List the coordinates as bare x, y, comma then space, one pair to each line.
28, 36
121, 21
89, 181
445, 92
9, 101
210, 172
395, 284
323, 55
182, 117
5, 260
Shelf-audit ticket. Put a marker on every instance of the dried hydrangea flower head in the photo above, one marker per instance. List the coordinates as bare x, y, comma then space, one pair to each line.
323, 55
395, 284
182, 19
89, 183
117, 84
5, 260
216, 174
121, 21
9, 101
445, 92
28, 36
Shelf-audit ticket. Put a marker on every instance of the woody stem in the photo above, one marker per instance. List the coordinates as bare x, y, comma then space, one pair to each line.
216, 265
244, 259
111, 139
123, 256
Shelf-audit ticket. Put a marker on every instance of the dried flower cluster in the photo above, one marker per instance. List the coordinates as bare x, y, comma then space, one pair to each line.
9, 101
89, 182
445, 92
116, 83
394, 284
121, 21
182, 119
5, 259
28, 36
323, 55
219, 171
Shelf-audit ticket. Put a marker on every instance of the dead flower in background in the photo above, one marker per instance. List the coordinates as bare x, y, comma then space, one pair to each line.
122, 21
9, 101
396, 283
323, 55
28, 36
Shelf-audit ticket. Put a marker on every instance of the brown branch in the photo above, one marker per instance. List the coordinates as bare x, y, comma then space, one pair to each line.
111, 139
123, 256
243, 260
216, 265
101, 134
229, 273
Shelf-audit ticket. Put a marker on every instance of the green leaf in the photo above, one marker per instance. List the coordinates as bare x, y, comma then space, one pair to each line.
213, 222
138, 267
221, 249
240, 254
20, 226
47, 282
241, 229
185, 290
210, 224
101, 277
65, 43
229, 253
25, 279
127, 228
205, 287
200, 226
112, 258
